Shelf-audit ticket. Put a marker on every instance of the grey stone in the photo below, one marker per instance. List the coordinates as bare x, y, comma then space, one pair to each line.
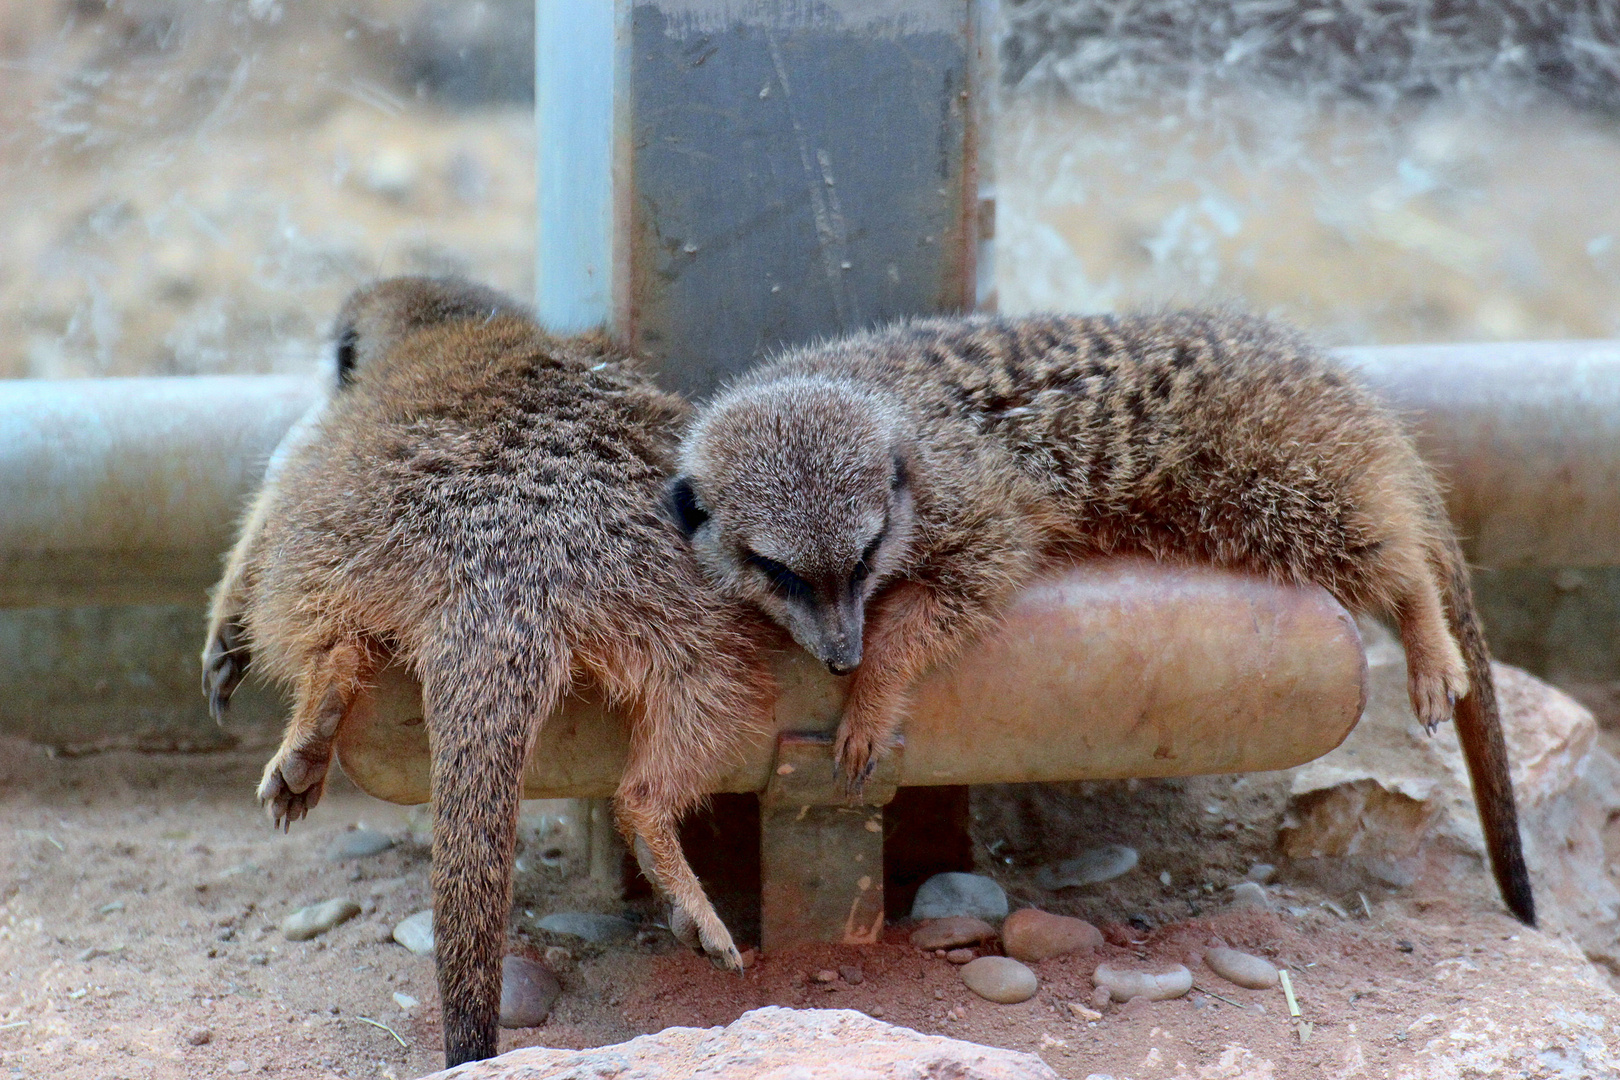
772, 1041
528, 990
1243, 969
1088, 868
1000, 979
1261, 873
952, 932
1250, 894
946, 895
588, 926
359, 843
415, 932
1124, 984
317, 919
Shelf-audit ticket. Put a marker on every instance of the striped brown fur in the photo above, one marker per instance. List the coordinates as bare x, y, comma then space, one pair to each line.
882, 496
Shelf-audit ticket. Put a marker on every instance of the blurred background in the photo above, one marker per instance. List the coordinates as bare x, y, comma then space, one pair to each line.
191, 187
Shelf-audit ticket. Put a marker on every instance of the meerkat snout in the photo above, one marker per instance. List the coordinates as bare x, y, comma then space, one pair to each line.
812, 523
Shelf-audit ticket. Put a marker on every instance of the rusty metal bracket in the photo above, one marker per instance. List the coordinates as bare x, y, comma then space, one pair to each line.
821, 856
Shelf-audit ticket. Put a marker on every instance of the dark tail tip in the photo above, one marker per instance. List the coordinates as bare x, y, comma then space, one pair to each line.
461, 1047
1514, 881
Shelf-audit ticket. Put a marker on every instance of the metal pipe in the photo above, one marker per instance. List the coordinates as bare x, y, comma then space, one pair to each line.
127, 490
1114, 668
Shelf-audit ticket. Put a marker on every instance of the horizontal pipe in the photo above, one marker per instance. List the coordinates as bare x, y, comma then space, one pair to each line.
1526, 434
117, 491
127, 490
1113, 668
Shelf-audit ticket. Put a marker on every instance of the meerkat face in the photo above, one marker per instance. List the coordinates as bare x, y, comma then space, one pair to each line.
797, 498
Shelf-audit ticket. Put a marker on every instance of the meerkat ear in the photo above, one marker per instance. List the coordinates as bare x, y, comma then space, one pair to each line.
348, 338
683, 506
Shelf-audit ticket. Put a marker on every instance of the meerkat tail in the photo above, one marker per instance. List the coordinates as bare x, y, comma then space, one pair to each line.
1479, 729
481, 721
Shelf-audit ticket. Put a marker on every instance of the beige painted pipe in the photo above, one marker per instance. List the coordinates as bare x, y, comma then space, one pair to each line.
127, 490
1114, 668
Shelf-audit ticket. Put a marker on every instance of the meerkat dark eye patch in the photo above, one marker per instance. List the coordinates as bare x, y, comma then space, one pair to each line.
863, 568
785, 581
684, 508
347, 340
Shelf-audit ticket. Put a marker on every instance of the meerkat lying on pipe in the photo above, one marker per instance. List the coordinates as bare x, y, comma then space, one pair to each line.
881, 497
482, 502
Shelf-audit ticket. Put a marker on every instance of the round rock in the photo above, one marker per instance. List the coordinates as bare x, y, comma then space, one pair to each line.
359, 843
1123, 984
528, 990
317, 919
1000, 979
1244, 969
1033, 935
588, 926
415, 932
951, 933
1250, 894
1088, 868
954, 894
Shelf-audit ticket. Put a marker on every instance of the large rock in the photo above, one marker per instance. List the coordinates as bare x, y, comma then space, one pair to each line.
1397, 803
804, 1044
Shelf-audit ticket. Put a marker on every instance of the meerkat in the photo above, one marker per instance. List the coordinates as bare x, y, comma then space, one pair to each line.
483, 503
881, 497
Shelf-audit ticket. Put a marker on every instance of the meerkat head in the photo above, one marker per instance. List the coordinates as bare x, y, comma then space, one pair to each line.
796, 496
376, 316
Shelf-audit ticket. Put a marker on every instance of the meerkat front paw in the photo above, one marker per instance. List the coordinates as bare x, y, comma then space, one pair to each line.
224, 662
856, 751
292, 785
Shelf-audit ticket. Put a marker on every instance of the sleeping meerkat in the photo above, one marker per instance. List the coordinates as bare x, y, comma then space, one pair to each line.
882, 497
482, 503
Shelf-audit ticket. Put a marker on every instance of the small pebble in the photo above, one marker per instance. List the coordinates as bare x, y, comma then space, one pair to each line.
875, 1012
359, 843
559, 959
826, 976
258, 959
1123, 984
961, 956
405, 1001
1033, 935
939, 994
1100, 997
1250, 894
528, 990
1241, 968
1000, 979
237, 1066
955, 894
199, 1036
1081, 1012
1261, 873
415, 932
307, 922
588, 926
1088, 868
850, 974
951, 933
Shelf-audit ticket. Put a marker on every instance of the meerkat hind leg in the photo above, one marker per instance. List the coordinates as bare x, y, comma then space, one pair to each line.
1437, 675
296, 777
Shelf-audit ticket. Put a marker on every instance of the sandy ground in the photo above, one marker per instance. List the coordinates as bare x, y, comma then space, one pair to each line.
140, 897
